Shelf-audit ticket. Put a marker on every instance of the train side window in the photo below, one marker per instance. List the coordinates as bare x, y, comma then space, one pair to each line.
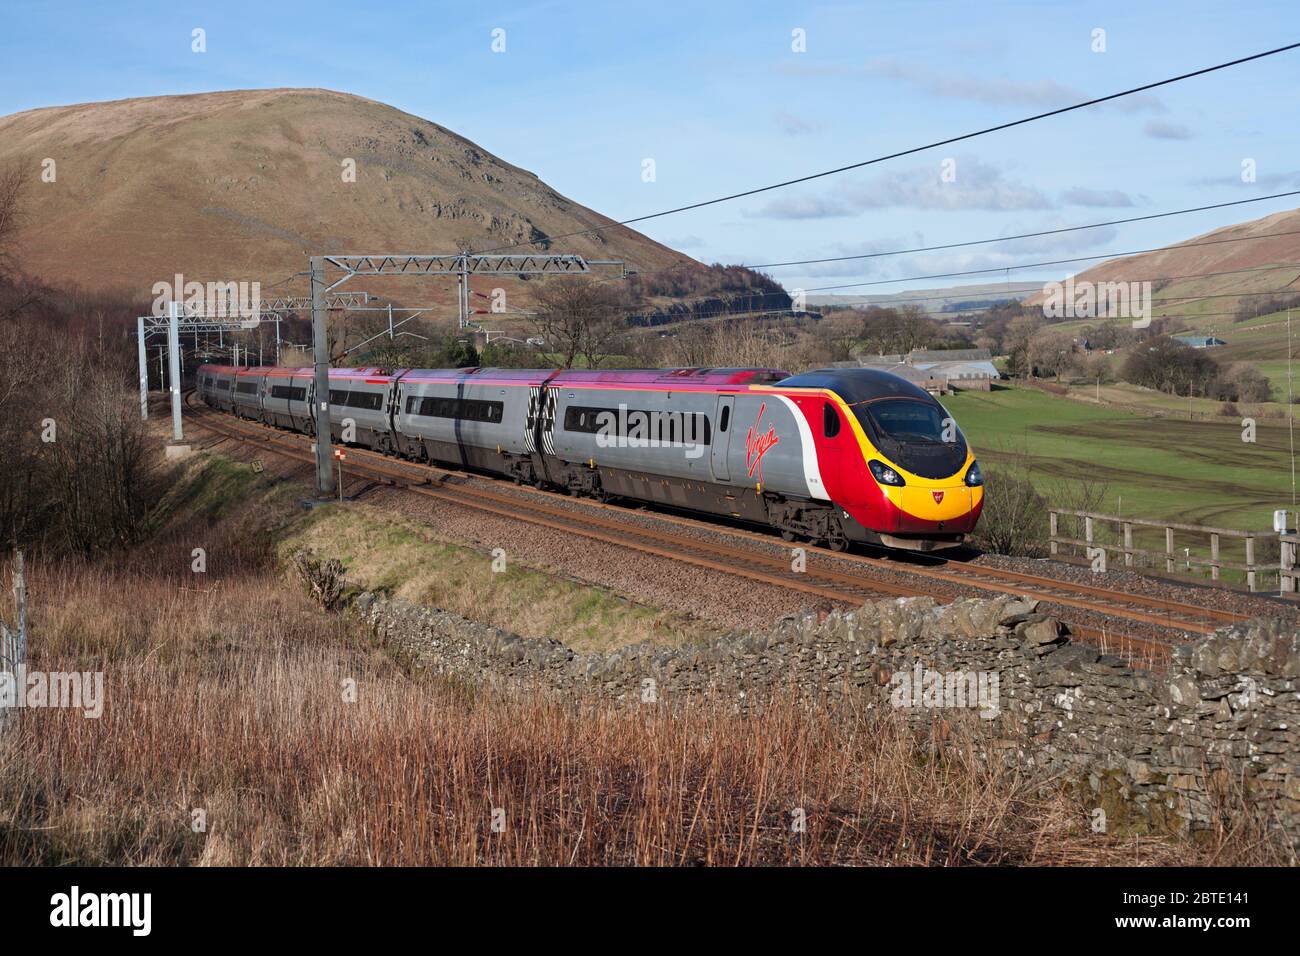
830, 420
726, 418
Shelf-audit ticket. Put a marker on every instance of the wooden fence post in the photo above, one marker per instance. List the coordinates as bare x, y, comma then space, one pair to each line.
1051, 541
1169, 550
1128, 544
13, 642
1250, 563
20, 603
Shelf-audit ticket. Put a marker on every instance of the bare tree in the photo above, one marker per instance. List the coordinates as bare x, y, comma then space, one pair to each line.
896, 331
12, 216
579, 318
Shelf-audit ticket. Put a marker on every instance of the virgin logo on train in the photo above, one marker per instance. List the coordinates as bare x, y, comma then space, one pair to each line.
757, 443
938, 496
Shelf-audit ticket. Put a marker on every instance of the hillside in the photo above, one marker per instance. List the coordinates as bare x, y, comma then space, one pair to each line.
245, 184
1187, 297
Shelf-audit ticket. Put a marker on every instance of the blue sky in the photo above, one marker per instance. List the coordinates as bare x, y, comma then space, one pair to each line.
716, 96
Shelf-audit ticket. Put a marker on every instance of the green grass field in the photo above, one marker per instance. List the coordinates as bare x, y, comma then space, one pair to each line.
1196, 472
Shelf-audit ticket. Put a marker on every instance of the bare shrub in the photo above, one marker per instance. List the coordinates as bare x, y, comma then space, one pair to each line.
726, 345
1014, 519
1018, 494
323, 578
79, 473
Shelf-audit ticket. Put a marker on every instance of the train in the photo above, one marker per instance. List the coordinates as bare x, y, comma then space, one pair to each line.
837, 456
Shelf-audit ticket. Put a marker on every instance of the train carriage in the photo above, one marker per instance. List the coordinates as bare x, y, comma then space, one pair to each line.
474, 418
359, 406
216, 385
835, 456
287, 396
246, 395
655, 435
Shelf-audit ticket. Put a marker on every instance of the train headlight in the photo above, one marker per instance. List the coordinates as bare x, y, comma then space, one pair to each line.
884, 474
974, 477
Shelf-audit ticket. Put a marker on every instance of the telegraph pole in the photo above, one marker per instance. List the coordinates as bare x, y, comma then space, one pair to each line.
144, 368
321, 355
174, 348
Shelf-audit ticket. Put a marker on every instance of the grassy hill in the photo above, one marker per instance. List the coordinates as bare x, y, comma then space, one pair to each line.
243, 185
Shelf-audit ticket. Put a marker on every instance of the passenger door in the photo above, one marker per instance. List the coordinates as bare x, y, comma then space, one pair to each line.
723, 427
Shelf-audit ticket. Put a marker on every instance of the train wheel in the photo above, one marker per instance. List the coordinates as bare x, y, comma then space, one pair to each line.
838, 544
787, 535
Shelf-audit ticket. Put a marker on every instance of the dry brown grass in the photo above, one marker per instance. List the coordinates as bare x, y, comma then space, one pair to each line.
231, 700
230, 697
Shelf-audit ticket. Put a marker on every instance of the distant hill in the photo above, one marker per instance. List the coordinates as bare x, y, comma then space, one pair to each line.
242, 185
1186, 297
949, 299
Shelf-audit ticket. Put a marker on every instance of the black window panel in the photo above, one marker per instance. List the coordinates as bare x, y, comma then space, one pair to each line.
367, 401
830, 420
292, 393
580, 419
224, 385
666, 427
464, 409
338, 397
726, 418
246, 388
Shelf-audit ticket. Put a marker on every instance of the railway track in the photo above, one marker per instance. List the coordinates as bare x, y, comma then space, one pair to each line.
747, 554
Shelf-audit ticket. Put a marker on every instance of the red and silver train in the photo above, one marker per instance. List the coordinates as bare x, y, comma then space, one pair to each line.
834, 456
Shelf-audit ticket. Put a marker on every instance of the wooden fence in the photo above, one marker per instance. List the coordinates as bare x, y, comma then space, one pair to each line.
1125, 526
13, 641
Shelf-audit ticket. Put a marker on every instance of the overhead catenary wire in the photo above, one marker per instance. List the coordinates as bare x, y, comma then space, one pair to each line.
1023, 235
904, 152
1056, 262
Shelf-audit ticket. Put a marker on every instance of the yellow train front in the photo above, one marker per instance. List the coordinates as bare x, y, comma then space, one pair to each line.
891, 460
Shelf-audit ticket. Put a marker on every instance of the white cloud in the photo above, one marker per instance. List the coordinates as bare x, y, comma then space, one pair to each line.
1108, 198
796, 125
977, 185
1046, 94
684, 242
1159, 129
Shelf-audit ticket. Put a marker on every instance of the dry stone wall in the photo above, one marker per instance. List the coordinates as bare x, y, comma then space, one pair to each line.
1150, 751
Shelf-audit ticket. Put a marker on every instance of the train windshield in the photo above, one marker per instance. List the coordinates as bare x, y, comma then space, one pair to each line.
909, 421
917, 435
